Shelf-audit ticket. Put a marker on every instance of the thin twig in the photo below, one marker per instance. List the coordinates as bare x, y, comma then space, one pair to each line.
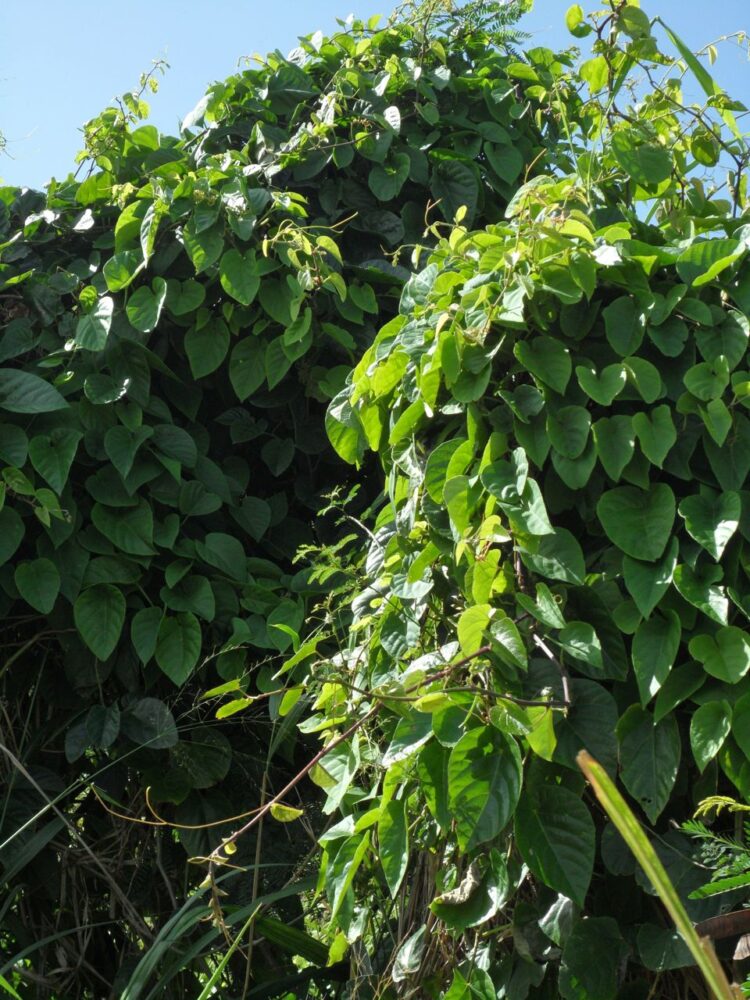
565, 679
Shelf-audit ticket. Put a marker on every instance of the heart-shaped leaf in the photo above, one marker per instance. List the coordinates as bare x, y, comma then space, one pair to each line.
709, 727
99, 613
655, 646
547, 359
38, 584
725, 655
638, 521
712, 518
648, 582
605, 387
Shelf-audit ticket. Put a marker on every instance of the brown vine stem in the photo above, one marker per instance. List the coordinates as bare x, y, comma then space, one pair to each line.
342, 738
565, 679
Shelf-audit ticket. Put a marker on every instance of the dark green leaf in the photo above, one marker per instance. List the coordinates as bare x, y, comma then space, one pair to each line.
484, 783
638, 521
99, 614
556, 838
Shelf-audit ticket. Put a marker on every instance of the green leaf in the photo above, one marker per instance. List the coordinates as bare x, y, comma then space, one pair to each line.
386, 179
717, 420
484, 783
225, 553
144, 630
121, 446
52, 455
436, 469
477, 898
557, 557
568, 430
681, 683
393, 843
579, 640
343, 867
22, 392
712, 519
130, 529
204, 247
103, 725
291, 939
99, 614
94, 326
14, 445
704, 78
149, 723
614, 438
547, 359
246, 367
432, 768
590, 722
741, 724
276, 362
603, 388
455, 184
411, 732
205, 758
505, 160
254, 515
645, 377
656, 433
507, 641
192, 593
638, 522
207, 347
595, 72
145, 305
700, 591
623, 325
731, 463
650, 757
583, 976
633, 21
648, 582
706, 259
669, 336
709, 728
472, 626
647, 164
556, 837
575, 23
239, 276
178, 646
184, 297
725, 655
707, 381
661, 949
38, 584
11, 533
176, 443
655, 646
121, 268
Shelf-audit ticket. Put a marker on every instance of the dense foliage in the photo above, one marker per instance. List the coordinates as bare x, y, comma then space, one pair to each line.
559, 409
173, 326
558, 558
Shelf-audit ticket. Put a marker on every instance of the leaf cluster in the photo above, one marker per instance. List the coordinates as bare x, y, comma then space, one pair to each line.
173, 325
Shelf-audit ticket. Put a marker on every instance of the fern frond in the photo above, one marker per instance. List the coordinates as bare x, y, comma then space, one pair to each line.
719, 802
496, 18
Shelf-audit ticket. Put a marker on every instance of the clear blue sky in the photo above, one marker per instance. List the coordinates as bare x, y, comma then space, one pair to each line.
60, 63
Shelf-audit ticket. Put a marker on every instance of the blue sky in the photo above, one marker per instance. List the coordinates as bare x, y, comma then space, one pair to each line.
60, 64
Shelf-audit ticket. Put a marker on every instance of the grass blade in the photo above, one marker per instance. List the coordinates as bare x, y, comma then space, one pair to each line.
217, 973
626, 822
